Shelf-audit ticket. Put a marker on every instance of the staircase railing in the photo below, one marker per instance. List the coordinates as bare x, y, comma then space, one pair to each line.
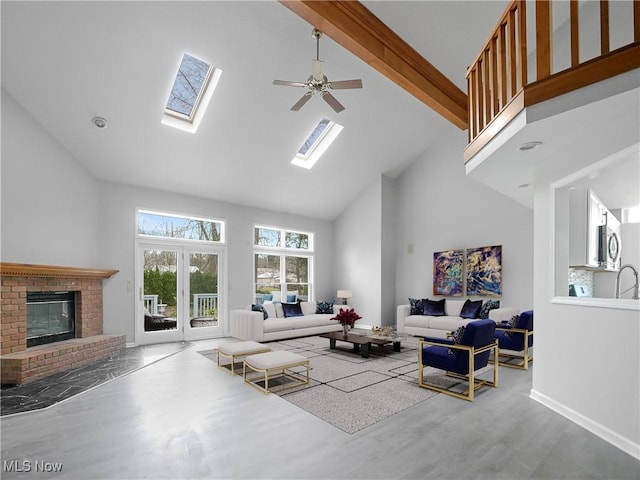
497, 80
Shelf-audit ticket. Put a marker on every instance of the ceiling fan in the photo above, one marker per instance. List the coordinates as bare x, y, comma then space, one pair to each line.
318, 83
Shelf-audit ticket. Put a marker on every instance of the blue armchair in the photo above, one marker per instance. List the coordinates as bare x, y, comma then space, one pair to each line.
461, 360
518, 338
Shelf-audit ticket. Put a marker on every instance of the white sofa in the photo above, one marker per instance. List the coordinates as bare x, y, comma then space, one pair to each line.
439, 327
250, 325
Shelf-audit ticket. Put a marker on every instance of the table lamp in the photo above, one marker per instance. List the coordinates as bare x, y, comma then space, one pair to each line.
344, 294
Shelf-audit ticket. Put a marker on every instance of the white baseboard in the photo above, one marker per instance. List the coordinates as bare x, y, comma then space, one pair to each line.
597, 429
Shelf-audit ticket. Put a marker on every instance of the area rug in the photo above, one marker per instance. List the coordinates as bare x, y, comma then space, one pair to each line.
351, 392
61, 386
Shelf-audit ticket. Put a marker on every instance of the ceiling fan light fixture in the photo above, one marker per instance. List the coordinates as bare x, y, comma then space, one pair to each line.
318, 82
317, 69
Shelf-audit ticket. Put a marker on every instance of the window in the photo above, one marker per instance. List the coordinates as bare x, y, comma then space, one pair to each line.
281, 238
191, 92
324, 133
267, 237
283, 264
187, 89
156, 224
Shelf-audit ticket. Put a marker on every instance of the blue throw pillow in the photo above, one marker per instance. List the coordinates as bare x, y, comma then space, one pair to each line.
260, 308
433, 308
268, 297
292, 309
291, 298
471, 309
324, 307
416, 306
486, 306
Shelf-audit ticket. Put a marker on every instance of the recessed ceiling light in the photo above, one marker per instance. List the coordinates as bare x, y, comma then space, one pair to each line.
529, 146
99, 122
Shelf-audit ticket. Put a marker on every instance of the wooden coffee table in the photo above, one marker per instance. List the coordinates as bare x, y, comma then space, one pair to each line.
361, 343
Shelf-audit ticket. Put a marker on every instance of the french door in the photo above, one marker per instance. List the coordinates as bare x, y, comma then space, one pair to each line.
180, 291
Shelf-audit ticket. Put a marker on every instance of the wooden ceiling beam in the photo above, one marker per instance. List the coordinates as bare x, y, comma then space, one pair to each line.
358, 30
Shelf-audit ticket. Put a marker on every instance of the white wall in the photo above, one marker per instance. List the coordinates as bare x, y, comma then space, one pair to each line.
117, 209
587, 359
358, 257
49, 201
439, 208
389, 251
385, 239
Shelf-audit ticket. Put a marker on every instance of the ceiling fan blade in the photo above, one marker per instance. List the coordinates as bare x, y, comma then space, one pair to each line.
289, 84
332, 101
305, 98
342, 84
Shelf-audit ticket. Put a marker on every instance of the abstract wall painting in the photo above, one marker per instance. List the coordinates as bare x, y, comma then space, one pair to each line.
484, 271
447, 272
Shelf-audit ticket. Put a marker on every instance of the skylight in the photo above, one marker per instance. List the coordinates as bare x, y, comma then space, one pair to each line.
324, 133
191, 92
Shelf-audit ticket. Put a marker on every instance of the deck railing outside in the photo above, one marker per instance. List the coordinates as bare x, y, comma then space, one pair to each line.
205, 304
151, 303
499, 73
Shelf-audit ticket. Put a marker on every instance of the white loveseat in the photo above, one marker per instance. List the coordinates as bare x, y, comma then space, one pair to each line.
250, 325
440, 326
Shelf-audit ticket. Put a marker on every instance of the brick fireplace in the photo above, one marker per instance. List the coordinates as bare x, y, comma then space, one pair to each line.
20, 363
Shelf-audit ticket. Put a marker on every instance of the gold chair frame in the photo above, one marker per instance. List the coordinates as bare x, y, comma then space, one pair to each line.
267, 374
233, 356
525, 358
469, 378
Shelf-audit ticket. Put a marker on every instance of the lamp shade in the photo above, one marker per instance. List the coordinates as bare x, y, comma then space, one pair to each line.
344, 294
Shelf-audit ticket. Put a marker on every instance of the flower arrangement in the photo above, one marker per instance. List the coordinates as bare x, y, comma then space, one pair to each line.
347, 317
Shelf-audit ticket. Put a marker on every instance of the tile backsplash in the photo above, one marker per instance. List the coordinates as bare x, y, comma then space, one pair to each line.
581, 277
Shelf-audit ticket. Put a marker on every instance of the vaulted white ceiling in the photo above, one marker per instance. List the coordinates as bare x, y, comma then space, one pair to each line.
66, 62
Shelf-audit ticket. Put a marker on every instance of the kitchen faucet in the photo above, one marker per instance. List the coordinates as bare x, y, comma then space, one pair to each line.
635, 286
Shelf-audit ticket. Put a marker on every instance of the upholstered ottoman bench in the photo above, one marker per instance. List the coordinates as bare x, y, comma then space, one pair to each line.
268, 366
235, 350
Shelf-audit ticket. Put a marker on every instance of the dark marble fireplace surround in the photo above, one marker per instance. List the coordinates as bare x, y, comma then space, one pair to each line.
20, 363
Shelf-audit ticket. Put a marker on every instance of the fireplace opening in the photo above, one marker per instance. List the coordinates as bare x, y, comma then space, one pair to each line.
50, 317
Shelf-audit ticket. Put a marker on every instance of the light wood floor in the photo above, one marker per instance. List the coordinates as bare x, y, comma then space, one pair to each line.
183, 418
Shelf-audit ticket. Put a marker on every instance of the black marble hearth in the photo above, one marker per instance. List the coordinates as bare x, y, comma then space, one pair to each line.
61, 386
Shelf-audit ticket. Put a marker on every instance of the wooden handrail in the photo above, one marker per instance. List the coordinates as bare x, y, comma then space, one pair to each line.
499, 72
